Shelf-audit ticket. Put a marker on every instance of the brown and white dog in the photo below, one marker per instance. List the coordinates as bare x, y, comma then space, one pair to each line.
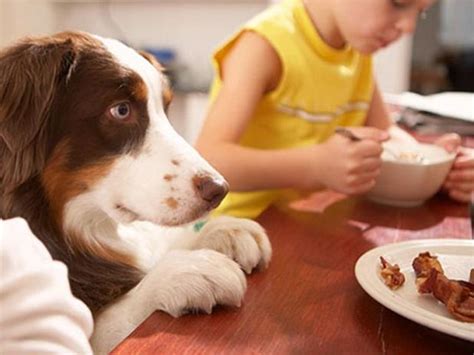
89, 159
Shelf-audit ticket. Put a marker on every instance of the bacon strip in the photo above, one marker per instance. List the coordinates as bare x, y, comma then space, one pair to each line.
458, 296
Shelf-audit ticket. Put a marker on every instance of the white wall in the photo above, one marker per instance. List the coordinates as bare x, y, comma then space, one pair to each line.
19, 18
193, 29
2, 21
457, 21
392, 66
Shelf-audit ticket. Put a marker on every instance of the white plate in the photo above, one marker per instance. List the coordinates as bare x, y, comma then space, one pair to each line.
456, 257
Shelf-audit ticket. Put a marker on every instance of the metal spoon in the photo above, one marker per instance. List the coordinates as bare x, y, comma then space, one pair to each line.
348, 134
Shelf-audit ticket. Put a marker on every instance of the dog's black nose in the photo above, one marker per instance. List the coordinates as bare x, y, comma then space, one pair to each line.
210, 190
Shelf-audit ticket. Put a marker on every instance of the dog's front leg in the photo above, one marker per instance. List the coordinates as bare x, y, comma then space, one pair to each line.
181, 281
118, 320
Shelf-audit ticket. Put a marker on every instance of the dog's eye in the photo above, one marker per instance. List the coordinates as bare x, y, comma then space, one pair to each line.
120, 111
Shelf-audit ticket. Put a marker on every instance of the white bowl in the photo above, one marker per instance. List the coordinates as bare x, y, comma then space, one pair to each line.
410, 183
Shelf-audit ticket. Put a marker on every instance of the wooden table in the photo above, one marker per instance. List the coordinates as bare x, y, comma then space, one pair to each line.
308, 301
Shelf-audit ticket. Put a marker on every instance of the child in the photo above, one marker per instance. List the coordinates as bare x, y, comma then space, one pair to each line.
286, 81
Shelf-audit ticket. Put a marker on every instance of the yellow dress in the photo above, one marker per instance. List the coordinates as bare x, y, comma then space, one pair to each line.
320, 88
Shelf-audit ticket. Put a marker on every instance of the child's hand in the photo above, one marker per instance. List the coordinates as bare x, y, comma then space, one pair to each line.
460, 181
451, 142
350, 166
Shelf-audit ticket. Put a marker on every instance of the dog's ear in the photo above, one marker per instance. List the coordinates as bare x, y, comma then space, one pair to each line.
30, 73
167, 92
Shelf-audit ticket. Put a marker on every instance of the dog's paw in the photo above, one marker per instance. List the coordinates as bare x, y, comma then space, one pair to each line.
188, 280
242, 240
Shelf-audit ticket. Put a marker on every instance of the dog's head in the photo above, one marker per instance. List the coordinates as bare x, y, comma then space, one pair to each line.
85, 116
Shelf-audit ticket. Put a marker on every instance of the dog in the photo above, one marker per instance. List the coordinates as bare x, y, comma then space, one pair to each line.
90, 160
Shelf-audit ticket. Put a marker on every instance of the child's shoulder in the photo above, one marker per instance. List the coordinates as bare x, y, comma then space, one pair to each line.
274, 27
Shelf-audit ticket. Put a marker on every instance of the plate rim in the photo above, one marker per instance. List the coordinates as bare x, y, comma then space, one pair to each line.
390, 300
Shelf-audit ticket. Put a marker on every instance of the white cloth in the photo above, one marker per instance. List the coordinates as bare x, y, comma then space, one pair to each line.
38, 313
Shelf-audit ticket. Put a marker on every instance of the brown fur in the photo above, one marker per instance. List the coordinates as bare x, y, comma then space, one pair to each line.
29, 84
167, 92
61, 186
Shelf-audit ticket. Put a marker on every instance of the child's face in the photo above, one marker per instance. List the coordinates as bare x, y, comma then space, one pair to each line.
369, 25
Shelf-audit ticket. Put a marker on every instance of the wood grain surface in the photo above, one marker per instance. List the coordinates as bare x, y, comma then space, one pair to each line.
308, 301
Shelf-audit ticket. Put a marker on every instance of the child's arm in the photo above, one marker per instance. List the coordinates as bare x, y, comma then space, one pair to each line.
378, 115
251, 70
